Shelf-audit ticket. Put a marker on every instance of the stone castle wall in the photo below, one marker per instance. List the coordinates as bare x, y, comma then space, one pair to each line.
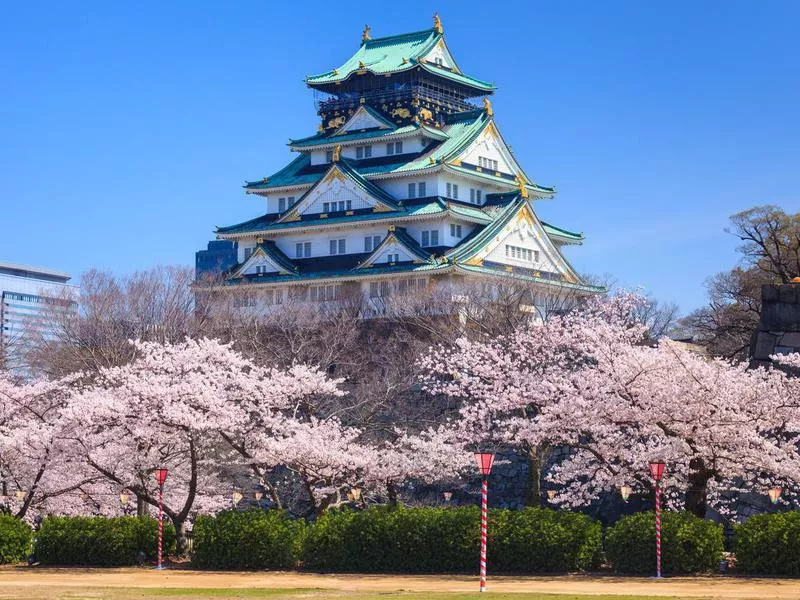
779, 329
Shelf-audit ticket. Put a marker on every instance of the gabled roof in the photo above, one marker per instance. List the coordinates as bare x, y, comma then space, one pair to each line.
469, 249
324, 140
562, 235
411, 209
343, 170
399, 236
370, 114
396, 54
273, 254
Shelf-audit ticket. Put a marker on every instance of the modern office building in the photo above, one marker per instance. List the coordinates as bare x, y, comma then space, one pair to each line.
31, 301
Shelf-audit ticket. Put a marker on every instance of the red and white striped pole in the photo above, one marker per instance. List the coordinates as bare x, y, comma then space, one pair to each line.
657, 472
484, 528
161, 477
658, 531
485, 461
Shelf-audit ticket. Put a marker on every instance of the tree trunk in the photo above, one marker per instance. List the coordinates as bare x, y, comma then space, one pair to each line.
391, 492
181, 537
537, 457
142, 507
697, 494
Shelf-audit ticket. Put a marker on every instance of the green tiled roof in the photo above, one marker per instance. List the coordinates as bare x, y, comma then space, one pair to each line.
592, 289
552, 230
322, 139
347, 272
395, 54
267, 222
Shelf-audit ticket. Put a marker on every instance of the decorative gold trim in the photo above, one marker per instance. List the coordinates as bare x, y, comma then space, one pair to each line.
365, 34
337, 153
437, 24
323, 215
487, 106
348, 213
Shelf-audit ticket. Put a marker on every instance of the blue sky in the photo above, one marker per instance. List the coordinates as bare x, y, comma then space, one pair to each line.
127, 130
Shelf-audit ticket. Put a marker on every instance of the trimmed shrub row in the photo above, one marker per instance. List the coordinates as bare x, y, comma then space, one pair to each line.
769, 544
689, 544
386, 540
99, 540
15, 539
247, 540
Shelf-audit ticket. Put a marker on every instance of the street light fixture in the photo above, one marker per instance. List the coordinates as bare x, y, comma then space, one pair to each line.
775, 494
657, 473
161, 478
20, 495
259, 496
447, 496
625, 491
236, 497
551, 494
484, 460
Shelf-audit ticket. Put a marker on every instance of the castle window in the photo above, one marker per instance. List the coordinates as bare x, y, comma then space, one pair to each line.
326, 207
475, 196
337, 246
329, 156
412, 190
371, 242
261, 269
302, 249
430, 238
363, 152
273, 296
525, 254
455, 230
323, 293
378, 289
248, 252
392, 258
487, 163
281, 204
452, 190
421, 189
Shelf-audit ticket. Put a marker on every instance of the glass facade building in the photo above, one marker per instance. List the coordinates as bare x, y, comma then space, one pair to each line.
31, 300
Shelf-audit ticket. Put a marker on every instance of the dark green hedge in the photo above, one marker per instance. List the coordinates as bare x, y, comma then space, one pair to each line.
100, 540
769, 544
15, 539
247, 540
446, 540
688, 544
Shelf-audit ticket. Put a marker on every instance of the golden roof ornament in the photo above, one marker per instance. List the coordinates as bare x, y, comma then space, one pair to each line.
437, 23
523, 190
365, 34
487, 106
361, 65
265, 180
337, 153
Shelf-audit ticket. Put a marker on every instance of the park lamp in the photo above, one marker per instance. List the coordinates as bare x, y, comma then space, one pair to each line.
124, 497
625, 491
356, 493
20, 494
657, 470
484, 460
236, 497
161, 476
551, 494
447, 496
259, 496
775, 494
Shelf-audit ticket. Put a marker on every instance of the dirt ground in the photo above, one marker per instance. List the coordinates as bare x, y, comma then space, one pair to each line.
37, 582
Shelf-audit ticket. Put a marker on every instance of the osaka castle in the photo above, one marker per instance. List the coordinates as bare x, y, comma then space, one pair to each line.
407, 184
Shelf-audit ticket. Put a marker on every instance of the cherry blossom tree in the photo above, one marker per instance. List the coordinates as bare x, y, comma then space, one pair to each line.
175, 405
587, 380
37, 471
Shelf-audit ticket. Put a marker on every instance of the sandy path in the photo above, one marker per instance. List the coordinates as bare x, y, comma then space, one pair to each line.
707, 587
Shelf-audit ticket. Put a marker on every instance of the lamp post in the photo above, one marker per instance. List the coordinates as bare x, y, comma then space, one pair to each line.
447, 496
775, 494
161, 477
123, 500
625, 491
657, 473
484, 461
236, 497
